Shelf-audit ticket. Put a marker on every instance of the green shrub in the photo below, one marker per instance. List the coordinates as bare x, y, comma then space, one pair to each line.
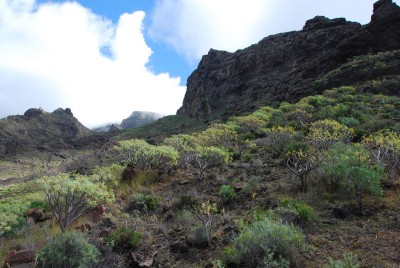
185, 218
68, 249
349, 169
304, 211
349, 121
277, 119
12, 216
246, 157
40, 204
285, 214
262, 242
111, 176
143, 202
144, 156
208, 157
71, 196
199, 237
396, 128
349, 261
123, 239
227, 193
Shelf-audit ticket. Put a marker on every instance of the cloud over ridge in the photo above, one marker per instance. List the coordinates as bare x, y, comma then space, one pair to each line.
63, 55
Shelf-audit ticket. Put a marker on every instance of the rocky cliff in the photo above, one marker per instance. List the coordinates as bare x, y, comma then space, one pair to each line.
288, 66
40, 130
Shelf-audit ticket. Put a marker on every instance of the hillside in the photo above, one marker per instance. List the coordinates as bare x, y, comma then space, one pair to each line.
310, 180
40, 130
160, 201
288, 66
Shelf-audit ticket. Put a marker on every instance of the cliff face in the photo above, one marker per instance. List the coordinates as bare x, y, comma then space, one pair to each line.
289, 66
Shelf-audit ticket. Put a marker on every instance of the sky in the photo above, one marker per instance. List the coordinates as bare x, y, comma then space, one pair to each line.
105, 59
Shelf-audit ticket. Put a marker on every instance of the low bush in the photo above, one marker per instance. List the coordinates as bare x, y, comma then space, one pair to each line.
348, 261
305, 212
199, 238
123, 239
143, 202
68, 249
12, 216
40, 204
227, 193
263, 243
252, 186
187, 201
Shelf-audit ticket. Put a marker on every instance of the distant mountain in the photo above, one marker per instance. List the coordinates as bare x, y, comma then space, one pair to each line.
326, 53
139, 118
108, 128
40, 130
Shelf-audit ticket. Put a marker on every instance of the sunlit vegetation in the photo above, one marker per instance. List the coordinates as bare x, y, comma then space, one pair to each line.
71, 197
252, 189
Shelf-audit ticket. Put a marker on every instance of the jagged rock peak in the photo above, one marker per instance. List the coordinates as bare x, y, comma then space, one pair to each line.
321, 22
33, 112
385, 11
61, 111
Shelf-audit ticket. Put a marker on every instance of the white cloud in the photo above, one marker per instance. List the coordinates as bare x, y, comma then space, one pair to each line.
50, 57
192, 27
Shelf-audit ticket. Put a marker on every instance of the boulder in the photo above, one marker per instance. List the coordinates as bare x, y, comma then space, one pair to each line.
36, 214
139, 260
129, 174
85, 227
95, 214
180, 246
33, 112
14, 258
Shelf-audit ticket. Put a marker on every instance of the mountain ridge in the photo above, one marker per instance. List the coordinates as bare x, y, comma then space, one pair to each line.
40, 130
285, 66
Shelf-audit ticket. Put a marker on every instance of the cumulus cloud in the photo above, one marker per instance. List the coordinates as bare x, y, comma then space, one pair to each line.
192, 27
62, 55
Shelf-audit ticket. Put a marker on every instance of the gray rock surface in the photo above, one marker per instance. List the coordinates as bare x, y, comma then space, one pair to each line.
138, 119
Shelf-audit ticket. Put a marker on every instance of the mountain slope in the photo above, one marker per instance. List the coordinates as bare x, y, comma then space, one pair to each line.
285, 67
40, 130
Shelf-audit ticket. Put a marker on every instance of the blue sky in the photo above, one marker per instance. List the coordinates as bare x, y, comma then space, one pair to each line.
164, 58
105, 59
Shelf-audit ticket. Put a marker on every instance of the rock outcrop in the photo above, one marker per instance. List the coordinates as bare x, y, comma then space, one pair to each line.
289, 66
138, 119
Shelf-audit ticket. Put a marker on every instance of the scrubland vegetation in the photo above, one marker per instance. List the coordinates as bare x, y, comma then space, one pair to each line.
261, 190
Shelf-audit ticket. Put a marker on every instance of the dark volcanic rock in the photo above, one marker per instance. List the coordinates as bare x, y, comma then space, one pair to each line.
285, 67
61, 111
138, 119
17, 258
33, 112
